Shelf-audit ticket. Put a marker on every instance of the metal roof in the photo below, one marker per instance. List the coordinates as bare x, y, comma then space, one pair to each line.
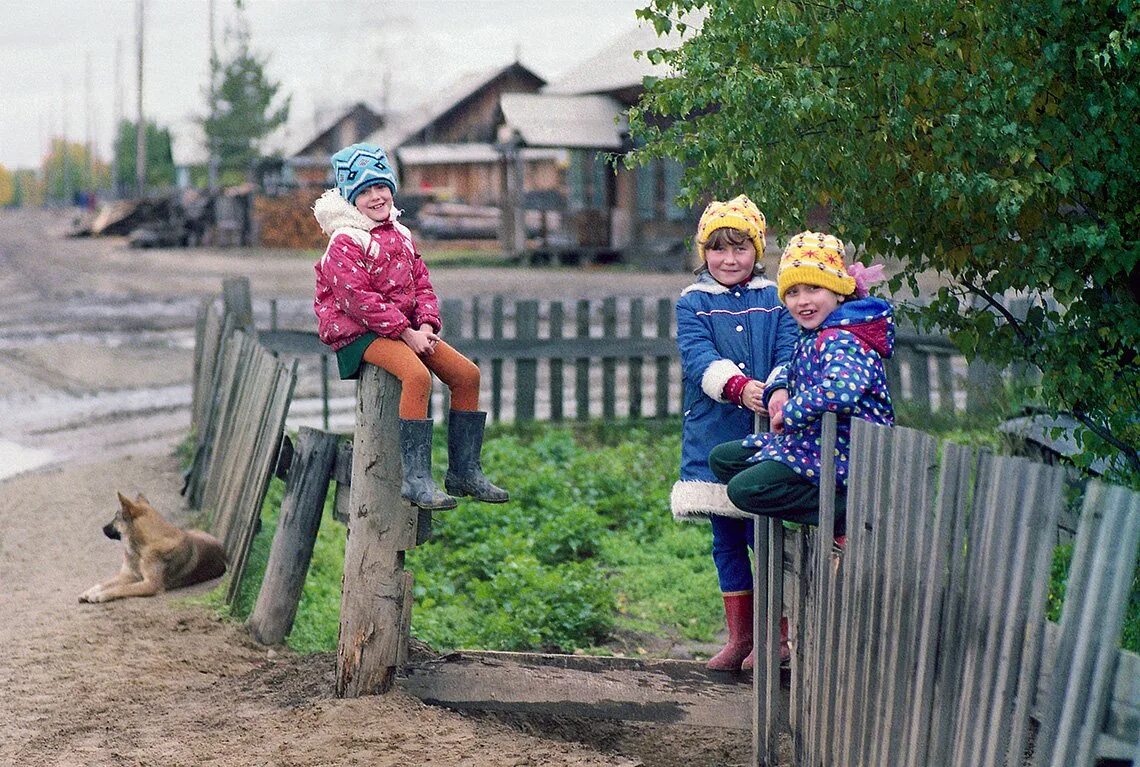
571, 122
459, 154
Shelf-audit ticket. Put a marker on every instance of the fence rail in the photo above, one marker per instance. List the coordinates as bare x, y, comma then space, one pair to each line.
617, 357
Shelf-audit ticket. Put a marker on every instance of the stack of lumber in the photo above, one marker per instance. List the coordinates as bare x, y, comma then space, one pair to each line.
287, 221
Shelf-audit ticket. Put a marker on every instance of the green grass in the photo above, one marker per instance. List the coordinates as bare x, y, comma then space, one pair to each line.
585, 551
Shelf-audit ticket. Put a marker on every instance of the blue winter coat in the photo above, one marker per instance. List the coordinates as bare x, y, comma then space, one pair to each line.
837, 367
722, 332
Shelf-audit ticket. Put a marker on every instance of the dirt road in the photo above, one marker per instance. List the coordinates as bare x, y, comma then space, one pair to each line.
95, 357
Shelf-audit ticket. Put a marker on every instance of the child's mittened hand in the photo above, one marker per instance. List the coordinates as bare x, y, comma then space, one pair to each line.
752, 397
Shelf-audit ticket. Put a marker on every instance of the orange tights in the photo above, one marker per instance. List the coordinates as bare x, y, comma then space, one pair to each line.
459, 373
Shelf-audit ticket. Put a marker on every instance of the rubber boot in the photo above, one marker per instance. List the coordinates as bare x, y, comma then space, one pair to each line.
738, 616
464, 471
785, 648
415, 455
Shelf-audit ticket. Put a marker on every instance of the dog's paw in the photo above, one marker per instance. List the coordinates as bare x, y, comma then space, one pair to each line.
92, 595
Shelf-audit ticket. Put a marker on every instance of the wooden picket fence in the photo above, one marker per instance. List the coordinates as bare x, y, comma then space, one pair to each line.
616, 357
241, 397
924, 641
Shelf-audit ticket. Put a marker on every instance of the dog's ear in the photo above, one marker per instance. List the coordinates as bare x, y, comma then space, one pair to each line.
129, 509
142, 499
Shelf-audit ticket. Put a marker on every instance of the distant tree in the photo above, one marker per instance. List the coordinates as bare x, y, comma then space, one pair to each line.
241, 106
29, 190
7, 188
160, 172
70, 172
994, 142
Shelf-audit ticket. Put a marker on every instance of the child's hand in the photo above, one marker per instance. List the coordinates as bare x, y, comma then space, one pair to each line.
752, 397
776, 404
422, 342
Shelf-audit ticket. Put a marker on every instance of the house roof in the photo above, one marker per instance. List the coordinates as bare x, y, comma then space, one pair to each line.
428, 113
615, 68
467, 153
318, 136
572, 122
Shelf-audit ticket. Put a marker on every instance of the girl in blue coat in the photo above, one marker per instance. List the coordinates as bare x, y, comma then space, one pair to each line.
837, 366
731, 332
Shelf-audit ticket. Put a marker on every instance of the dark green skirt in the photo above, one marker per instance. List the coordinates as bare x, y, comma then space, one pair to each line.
349, 359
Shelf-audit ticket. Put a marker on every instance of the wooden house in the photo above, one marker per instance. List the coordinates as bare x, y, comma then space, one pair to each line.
631, 212
310, 163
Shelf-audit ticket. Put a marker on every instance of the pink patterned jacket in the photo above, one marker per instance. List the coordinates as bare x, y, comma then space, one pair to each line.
370, 277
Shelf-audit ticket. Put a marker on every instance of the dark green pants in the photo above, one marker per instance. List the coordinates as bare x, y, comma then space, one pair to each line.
769, 488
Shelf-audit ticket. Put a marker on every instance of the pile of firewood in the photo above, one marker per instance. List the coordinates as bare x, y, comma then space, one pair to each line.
287, 221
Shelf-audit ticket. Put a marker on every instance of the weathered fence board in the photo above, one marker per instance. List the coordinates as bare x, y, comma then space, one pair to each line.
292, 548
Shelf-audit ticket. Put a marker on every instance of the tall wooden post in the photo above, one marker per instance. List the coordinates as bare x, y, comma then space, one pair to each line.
375, 608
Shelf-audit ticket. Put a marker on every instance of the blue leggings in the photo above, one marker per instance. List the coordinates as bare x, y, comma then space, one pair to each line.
732, 538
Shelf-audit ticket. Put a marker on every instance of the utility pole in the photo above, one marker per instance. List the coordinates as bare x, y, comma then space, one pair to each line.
140, 127
116, 148
211, 144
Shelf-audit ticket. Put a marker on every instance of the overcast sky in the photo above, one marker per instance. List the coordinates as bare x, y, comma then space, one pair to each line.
60, 75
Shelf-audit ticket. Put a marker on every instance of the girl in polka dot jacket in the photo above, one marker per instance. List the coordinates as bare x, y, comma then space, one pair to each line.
837, 366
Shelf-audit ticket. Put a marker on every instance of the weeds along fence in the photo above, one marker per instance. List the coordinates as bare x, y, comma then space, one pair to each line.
924, 640
616, 357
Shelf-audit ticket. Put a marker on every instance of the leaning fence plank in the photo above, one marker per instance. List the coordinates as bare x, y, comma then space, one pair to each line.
526, 368
292, 547
862, 456
824, 582
953, 478
269, 431
1103, 564
949, 669
1035, 623
796, 620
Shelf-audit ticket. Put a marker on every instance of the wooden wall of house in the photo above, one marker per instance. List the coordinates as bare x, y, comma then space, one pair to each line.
478, 183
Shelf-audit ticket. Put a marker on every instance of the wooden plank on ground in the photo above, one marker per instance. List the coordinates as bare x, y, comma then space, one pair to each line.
629, 689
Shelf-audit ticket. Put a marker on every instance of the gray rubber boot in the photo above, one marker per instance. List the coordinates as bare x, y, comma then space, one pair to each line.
415, 453
464, 471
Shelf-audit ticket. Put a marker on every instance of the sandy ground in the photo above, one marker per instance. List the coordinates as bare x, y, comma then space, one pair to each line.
95, 360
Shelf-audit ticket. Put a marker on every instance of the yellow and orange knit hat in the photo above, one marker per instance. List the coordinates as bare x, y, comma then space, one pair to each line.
813, 258
738, 213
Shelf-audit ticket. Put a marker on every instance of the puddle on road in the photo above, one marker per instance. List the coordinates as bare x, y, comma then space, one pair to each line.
16, 459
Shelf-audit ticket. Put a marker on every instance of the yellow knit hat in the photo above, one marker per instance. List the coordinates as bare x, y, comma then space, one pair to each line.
812, 258
738, 213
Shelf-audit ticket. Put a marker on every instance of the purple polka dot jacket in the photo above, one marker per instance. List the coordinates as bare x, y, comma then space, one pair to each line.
837, 367
370, 277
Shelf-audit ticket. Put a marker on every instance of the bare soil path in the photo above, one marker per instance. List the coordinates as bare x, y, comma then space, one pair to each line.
95, 358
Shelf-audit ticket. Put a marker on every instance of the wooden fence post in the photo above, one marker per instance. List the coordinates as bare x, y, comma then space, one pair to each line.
301, 509
381, 527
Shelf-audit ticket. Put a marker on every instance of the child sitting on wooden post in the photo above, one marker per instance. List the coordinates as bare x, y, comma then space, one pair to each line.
731, 332
837, 366
375, 303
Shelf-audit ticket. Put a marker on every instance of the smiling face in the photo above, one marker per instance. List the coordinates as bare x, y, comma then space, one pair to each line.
810, 305
730, 259
375, 202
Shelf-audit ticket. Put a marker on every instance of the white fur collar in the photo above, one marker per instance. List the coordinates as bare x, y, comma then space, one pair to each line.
706, 284
334, 212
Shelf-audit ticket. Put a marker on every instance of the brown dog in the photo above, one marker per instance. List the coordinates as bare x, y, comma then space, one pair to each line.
158, 555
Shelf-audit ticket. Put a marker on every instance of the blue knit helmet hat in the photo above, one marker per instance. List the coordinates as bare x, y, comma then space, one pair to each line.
360, 166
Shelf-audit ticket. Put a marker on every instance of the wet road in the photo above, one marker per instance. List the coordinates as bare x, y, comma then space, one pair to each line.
96, 338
